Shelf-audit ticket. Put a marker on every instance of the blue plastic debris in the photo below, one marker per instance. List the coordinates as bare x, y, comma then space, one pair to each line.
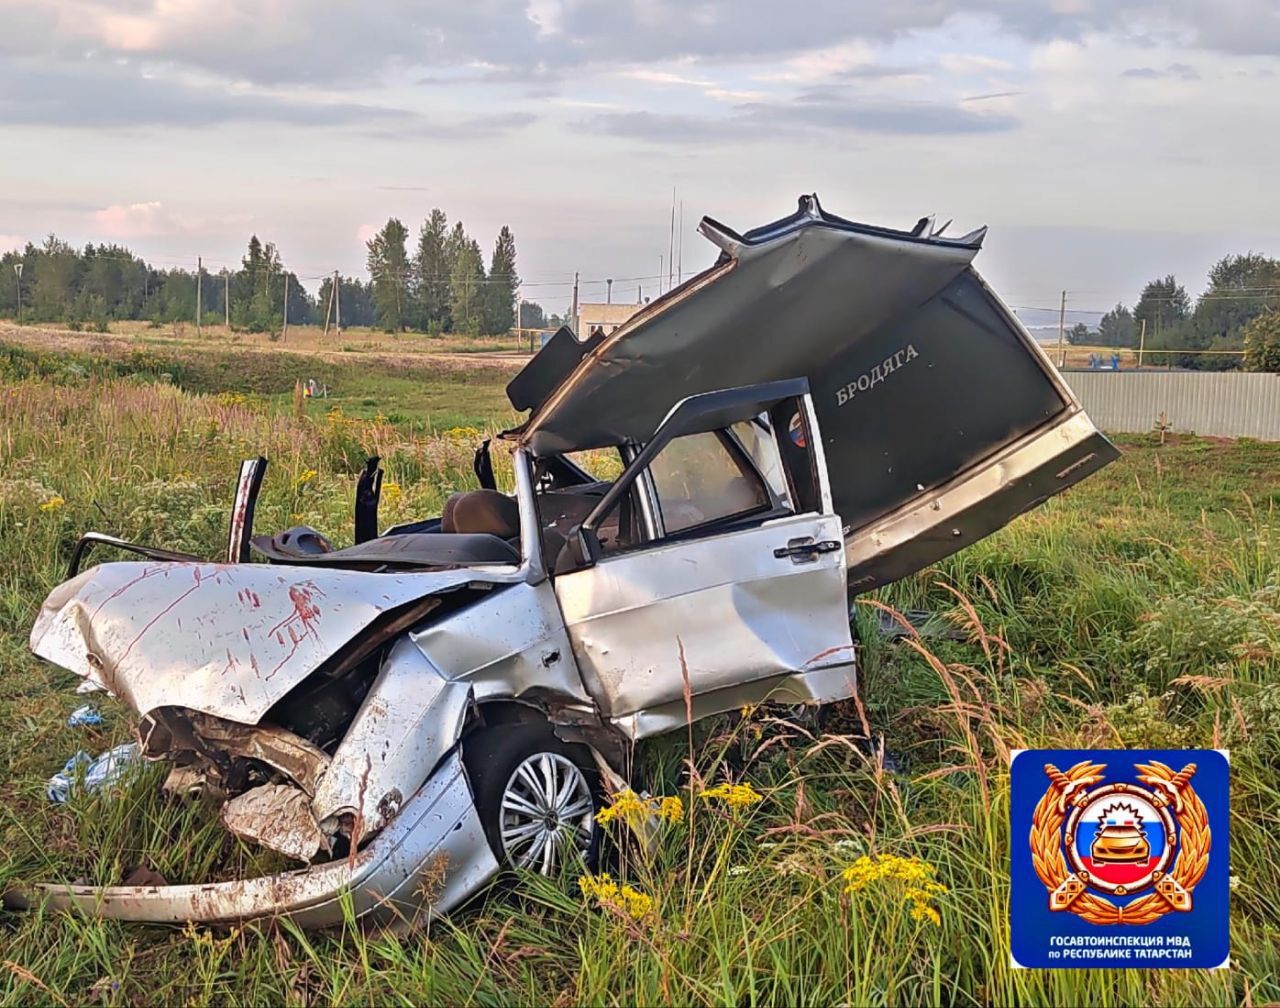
110, 768
58, 788
86, 715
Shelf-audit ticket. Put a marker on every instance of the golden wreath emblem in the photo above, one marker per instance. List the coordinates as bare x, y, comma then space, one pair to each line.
1120, 839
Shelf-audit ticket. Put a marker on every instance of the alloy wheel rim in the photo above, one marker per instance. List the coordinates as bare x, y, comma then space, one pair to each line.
546, 813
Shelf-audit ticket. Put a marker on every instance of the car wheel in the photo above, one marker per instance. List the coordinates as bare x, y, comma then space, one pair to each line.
537, 796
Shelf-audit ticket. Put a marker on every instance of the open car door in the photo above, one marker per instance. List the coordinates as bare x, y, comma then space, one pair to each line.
734, 591
941, 418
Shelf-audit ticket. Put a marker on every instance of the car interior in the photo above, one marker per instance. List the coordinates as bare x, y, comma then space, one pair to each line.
705, 481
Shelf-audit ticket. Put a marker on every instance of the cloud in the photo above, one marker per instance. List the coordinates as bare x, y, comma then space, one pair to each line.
320, 42
331, 43
482, 127
881, 71
829, 111
137, 220
152, 219
1179, 71
663, 77
9, 243
663, 127
967, 63
879, 115
105, 95
992, 95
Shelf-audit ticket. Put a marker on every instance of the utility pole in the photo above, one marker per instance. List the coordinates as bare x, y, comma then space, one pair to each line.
328, 310
573, 312
1062, 331
671, 241
285, 331
680, 247
608, 287
659, 274
199, 273
1142, 343
516, 315
226, 298
337, 304
17, 272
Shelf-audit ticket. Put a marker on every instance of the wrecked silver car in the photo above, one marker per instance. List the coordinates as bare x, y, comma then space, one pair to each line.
828, 408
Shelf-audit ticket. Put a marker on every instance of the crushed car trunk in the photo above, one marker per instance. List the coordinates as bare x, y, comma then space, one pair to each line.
941, 418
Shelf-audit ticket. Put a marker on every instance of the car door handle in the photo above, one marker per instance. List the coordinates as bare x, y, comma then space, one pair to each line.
805, 550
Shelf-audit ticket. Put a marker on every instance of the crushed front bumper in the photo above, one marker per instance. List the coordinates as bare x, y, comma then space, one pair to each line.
429, 858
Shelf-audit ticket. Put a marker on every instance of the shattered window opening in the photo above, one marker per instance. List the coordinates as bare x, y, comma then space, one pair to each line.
704, 478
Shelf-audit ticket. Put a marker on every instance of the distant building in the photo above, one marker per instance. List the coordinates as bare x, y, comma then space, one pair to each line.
604, 318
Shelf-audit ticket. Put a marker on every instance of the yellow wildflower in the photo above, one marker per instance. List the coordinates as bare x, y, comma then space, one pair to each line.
623, 899
733, 795
634, 809
392, 492
637, 904
306, 478
915, 877
598, 887
671, 809
52, 504
627, 806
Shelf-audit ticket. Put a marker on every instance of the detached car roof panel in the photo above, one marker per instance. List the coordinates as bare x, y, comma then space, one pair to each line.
779, 303
922, 379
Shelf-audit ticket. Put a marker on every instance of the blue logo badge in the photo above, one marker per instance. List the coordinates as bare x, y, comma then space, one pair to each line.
1119, 858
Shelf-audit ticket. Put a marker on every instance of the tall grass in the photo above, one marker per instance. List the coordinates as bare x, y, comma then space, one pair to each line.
1143, 608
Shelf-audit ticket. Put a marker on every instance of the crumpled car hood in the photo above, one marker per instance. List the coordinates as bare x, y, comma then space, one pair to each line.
226, 639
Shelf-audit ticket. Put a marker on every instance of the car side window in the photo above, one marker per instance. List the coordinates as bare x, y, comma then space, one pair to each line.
701, 479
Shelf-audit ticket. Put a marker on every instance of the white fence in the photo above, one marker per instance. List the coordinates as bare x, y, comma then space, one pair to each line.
1214, 403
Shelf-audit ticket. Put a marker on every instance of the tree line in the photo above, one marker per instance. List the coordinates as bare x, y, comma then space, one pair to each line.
442, 286
1238, 311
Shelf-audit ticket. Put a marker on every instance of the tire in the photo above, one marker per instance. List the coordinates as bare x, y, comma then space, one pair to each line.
509, 766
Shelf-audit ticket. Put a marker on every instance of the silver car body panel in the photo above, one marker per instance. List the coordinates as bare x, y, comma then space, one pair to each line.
433, 856
821, 686
510, 644
959, 513
227, 639
411, 716
711, 615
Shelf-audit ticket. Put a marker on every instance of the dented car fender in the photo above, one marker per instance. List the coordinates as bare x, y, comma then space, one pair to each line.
410, 718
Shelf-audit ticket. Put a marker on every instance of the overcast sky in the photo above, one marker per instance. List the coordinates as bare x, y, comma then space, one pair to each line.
1103, 142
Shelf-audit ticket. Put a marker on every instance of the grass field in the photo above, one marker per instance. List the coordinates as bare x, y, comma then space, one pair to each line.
1142, 608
